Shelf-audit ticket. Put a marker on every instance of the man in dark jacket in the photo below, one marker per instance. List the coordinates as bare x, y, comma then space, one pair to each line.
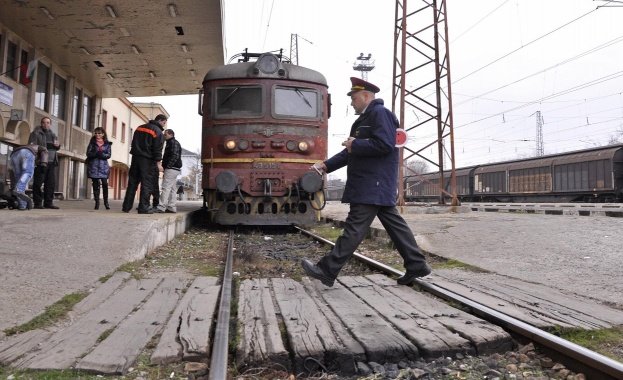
45, 174
372, 160
172, 164
146, 154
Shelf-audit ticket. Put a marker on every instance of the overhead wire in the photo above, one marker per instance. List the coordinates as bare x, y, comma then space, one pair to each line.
479, 21
523, 46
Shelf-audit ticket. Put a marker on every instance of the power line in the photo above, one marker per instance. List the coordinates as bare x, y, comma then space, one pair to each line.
587, 52
479, 21
523, 46
563, 92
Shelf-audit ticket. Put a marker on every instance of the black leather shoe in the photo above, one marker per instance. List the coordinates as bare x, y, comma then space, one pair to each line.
148, 211
409, 277
51, 207
38, 207
314, 271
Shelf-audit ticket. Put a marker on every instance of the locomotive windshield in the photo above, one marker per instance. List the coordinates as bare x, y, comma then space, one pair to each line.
296, 102
238, 101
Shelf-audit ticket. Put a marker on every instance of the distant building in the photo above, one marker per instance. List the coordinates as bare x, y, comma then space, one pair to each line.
190, 179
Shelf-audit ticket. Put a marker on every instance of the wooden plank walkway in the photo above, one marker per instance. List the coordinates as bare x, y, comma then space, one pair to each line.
358, 319
292, 325
125, 314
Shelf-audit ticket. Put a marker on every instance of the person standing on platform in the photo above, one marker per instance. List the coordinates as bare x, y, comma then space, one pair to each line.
372, 162
23, 162
98, 152
172, 164
146, 152
45, 174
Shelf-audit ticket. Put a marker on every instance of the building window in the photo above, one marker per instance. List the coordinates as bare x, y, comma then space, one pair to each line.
12, 67
114, 127
23, 71
41, 94
104, 120
58, 97
77, 104
123, 127
86, 113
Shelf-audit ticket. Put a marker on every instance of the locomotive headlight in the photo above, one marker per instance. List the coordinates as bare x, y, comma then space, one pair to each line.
243, 145
291, 145
230, 144
267, 63
303, 146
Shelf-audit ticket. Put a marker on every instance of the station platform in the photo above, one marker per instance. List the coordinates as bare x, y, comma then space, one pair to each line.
46, 254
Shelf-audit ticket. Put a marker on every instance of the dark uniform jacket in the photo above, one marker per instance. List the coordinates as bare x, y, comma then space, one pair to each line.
148, 141
172, 158
97, 159
372, 171
45, 138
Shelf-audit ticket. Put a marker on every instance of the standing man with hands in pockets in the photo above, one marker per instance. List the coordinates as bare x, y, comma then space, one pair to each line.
45, 174
372, 159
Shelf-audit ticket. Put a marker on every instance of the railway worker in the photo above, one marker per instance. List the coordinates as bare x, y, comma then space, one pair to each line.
371, 158
45, 175
146, 154
23, 162
172, 164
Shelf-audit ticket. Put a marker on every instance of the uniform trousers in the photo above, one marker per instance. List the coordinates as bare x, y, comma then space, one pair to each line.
142, 171
357, 224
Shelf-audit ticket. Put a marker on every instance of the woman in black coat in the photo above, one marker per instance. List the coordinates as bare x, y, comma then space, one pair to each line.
98, 153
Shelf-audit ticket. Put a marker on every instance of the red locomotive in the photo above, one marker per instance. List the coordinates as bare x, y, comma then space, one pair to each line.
264, 125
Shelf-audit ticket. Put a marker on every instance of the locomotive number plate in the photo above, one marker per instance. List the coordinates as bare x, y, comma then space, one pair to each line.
265, 165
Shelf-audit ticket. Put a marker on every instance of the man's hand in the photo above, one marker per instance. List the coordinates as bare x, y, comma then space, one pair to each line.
319, 167
160, 168
348, 143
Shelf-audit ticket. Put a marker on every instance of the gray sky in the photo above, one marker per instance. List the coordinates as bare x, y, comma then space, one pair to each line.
509, 60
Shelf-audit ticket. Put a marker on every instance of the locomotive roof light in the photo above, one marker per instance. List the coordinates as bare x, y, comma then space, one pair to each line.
268, 64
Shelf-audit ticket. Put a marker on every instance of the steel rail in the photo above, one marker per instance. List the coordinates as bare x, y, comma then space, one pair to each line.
218, 363
591, 359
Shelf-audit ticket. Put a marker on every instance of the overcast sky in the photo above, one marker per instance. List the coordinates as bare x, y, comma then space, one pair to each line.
509, 60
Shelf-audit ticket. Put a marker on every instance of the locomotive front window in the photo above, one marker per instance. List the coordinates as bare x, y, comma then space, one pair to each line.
296, 102
238, 101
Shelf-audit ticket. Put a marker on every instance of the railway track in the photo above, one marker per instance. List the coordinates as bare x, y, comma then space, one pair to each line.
577, 357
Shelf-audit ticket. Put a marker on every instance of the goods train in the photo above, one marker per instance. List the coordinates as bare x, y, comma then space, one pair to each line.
264, 124
591, 175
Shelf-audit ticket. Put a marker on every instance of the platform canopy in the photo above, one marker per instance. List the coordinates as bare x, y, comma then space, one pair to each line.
123, 48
